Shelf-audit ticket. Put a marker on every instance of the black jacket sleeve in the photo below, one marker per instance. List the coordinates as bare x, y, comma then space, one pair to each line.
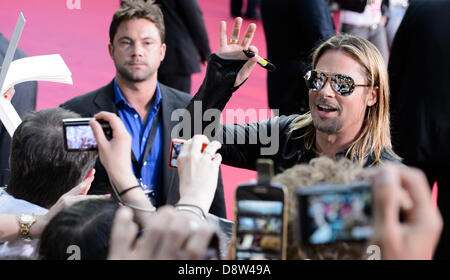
243, 144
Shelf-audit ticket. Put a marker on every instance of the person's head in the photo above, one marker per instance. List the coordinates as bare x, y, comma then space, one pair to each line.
354, 103
137, 40
41, 168
319, 170
86, 225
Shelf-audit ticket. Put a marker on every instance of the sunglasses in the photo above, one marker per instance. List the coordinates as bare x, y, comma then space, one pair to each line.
342, 84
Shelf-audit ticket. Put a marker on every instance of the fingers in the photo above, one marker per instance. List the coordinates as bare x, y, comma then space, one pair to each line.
98, 133
212, 149
177, 232
236, 30
197, 143
198, 242
169, 233
83, 187
149, 246
245, 71
248, 36
253, 49
123, 234
223, 34
387, 197
88, 181
67, 201
118, 128
9, 94
416, 184
114, 121
217, 159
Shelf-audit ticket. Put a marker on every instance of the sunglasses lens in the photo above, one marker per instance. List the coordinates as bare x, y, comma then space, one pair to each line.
342, 84
315, 80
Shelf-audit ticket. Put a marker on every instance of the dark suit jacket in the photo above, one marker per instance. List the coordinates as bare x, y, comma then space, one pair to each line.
103, 100
24, 101
186, 37
292, 29
419, 71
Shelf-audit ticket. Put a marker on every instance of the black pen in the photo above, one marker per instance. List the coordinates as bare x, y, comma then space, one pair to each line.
261, 61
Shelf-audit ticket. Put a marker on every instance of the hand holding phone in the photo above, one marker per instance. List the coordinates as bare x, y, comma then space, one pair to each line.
260, 230
175, 149
198, 171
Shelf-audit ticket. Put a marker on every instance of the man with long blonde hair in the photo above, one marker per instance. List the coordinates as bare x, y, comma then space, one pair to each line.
348, 100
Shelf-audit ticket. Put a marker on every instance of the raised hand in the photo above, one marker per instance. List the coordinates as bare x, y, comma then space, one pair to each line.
233, 49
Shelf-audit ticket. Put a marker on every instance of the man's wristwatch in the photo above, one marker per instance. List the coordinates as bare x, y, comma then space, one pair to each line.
25, 223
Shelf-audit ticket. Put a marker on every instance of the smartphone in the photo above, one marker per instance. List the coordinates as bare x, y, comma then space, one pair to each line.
78, 135
260, 230
334, 212
175, 148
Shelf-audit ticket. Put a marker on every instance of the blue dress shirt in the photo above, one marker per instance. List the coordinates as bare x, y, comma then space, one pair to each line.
151, 168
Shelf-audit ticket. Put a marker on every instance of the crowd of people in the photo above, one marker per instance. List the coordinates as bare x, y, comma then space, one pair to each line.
124, 202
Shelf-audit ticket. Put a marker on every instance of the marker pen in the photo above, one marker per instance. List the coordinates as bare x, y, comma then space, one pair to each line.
261, 61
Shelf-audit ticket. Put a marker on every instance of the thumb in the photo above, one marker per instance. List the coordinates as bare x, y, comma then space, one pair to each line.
245, 71
387, 200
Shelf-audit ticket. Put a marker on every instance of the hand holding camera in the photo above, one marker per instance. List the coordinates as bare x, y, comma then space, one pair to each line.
199, 171
114, 154
417, 236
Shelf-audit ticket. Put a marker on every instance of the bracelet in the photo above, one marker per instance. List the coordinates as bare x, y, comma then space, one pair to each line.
130, 188
193, 209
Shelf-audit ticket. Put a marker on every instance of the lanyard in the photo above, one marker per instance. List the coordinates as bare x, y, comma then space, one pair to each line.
148, 147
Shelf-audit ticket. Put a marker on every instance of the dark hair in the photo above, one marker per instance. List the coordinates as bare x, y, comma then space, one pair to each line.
132, 9
41, 168
86, 224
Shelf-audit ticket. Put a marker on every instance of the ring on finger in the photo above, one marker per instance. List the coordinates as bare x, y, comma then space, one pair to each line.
234, 41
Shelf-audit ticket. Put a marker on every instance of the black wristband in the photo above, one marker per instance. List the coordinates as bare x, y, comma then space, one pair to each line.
130, 188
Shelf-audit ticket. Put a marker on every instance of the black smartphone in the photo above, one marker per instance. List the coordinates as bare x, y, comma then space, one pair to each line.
260, 222
78, 135
335, 212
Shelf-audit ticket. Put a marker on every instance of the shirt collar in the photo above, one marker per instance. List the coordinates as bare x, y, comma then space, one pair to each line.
119, 98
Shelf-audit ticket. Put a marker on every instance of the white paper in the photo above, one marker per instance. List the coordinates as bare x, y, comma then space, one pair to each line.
50, 68
8, 115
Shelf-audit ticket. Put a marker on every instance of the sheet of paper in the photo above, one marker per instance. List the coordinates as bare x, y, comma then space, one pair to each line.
50, 68
10, 119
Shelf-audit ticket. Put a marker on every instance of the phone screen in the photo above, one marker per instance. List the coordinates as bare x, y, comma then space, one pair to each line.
259, 232
80, 137
175, 152
336, 214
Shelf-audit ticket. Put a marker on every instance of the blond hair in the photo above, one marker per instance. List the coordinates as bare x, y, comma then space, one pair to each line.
375, 133
321, 169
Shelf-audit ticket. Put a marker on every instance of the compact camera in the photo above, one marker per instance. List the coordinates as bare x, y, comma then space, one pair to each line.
78, 135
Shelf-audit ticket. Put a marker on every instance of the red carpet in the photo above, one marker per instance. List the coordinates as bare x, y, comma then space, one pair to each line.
81, 37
